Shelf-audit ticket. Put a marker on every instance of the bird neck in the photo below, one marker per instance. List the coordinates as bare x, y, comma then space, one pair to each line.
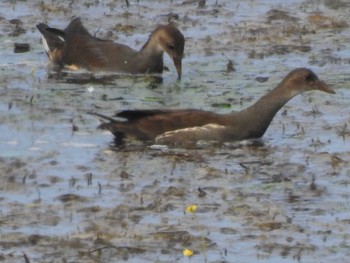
152, 52
152, 46
258, 117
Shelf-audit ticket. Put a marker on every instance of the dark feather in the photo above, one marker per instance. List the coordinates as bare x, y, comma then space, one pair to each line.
131, 115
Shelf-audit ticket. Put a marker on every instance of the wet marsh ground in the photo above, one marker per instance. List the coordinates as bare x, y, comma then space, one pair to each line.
68, 195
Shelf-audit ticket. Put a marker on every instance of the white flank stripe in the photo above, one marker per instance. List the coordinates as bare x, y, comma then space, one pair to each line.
46, 46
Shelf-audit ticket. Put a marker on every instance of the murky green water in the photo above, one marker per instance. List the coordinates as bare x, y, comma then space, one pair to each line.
68, 196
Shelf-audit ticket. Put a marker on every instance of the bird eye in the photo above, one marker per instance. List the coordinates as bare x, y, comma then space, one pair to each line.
310, 77
171, 47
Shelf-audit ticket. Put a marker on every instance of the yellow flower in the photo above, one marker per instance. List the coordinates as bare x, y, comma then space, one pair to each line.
187, 252
191, 209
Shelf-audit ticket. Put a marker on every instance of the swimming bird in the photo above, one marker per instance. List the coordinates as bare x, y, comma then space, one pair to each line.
182, 127
75, 48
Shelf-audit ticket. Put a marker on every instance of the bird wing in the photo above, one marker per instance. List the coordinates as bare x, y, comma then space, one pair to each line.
131, 115
208, 132
154, 124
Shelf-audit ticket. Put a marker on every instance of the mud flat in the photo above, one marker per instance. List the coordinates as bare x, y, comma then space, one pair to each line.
68, 195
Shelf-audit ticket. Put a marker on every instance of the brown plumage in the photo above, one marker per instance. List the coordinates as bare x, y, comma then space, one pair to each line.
189, 126
74, 47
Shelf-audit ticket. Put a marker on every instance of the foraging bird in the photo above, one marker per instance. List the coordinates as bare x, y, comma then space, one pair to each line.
176, 127
74, 48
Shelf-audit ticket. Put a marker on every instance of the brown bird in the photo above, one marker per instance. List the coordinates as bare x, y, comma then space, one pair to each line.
178, 127
74, 48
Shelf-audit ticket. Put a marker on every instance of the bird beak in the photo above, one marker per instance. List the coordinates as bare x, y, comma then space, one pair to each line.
320, 85
178, 66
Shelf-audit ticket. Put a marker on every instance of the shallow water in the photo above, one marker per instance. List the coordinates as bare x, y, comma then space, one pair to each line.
68, 196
